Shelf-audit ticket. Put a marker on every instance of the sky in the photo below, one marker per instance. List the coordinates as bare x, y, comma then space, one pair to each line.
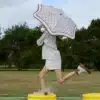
19, 11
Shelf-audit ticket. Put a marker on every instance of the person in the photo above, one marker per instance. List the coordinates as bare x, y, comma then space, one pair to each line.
51, 55
80, 69
52, 58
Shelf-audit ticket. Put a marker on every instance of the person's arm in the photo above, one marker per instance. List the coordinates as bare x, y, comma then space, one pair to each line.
41, 39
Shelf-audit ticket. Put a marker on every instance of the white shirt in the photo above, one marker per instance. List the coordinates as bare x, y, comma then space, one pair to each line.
49, 48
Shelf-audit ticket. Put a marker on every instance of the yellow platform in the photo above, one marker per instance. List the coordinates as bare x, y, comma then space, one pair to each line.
41, 97
91, 96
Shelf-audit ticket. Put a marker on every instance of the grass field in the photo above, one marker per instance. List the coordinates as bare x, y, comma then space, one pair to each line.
23, 98
20, 83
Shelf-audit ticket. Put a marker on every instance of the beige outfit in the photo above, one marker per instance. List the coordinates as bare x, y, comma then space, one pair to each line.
49, 51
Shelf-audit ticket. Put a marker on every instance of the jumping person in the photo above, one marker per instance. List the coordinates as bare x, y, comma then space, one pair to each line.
52, 58
50, 54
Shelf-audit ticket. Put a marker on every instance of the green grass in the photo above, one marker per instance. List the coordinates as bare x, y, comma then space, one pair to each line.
23, 98
20, 83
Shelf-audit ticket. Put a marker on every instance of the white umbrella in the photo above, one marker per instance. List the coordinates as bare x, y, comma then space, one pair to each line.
55, 20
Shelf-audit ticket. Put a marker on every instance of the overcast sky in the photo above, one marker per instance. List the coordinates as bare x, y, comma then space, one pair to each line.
18, 11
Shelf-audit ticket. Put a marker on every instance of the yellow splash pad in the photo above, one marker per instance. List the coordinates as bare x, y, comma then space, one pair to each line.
41, 97
91, 96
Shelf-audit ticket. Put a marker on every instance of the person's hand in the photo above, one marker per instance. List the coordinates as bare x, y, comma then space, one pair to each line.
42, 29
38, 42
63, 38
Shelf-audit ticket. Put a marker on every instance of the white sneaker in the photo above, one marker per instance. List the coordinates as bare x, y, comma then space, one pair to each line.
82, 69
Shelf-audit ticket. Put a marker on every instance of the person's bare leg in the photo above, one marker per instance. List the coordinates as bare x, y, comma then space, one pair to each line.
58, 76
58, 73
67, 76
42, 74
80, 69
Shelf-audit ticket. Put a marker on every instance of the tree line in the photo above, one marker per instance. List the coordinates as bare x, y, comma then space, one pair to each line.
18, 47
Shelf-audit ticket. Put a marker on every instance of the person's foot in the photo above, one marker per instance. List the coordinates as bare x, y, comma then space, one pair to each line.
81, 69
41, 91
46, 91
37, 93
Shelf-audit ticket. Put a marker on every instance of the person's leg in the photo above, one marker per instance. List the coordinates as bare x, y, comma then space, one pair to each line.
58, 73
42, 74
67, 76
80, 69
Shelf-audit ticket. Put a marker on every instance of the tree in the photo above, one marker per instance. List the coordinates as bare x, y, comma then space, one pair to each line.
20, 46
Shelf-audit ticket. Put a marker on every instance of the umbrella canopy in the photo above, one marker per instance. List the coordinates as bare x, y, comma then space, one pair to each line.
55, 20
